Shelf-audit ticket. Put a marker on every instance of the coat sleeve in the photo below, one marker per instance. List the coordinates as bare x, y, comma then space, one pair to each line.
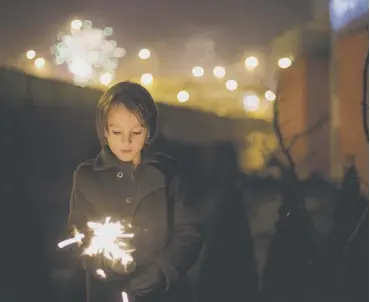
185, 243
78, 204
78, 214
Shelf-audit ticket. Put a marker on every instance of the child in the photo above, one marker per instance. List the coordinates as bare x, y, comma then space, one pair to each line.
126, 182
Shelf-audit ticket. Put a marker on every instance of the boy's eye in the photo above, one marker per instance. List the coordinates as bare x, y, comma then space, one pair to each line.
136, 133
116, 132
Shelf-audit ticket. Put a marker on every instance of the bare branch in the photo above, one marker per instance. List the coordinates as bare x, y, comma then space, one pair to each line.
320, 122
284, 149
290, 171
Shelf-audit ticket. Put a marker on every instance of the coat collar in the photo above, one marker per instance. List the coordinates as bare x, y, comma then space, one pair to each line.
106, 159
154, 178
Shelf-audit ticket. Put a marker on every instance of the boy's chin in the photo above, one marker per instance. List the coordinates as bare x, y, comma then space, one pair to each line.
126, 158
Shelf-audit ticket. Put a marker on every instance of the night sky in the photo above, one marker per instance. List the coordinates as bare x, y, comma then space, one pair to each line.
234, 25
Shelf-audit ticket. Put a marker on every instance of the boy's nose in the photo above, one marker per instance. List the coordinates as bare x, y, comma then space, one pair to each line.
126, 139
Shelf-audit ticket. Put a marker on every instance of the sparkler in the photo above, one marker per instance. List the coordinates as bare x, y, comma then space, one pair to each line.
107, 240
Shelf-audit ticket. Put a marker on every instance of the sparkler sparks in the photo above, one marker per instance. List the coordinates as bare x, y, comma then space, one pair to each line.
76, 239
124, 297
108, 240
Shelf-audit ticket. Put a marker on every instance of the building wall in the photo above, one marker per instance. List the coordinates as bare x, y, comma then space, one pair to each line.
292, 118
318, 115
304, 92
351, 53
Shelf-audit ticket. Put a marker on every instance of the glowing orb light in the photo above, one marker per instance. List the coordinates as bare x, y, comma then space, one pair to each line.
146, 79
231, 85
106, 78
219, 72
40, 63
144, 54
285, 62
76, 24
183, 96
270, 96
88, 53
251, 103
31, 54
251, 63
198, 71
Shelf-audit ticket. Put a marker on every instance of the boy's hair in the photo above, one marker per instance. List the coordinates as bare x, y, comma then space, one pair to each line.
135, 98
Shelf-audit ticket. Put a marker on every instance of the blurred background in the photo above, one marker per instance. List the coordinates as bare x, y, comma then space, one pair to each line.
265, 103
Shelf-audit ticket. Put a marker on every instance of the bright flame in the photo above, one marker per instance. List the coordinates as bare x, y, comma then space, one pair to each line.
219, 72
40, 63
31, 54
251, 63
144, 54
231, 85
198, 71
183, 96
285, 62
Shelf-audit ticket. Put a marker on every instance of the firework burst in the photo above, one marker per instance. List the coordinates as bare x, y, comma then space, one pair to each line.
88, 53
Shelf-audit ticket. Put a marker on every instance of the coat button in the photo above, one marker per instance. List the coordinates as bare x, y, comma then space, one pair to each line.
120, 175
128, 199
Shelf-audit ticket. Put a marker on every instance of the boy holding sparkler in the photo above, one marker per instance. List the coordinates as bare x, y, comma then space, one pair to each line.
128, 183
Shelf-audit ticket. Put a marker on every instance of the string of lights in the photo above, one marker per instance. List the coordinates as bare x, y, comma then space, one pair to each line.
92, 57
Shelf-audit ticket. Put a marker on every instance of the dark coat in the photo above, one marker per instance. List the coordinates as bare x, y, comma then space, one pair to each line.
153, 197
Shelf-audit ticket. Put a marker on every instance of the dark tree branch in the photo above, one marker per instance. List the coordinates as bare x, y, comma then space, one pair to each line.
320, 122
277, 128
290, 170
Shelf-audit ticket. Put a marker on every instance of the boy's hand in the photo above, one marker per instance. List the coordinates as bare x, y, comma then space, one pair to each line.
147, 280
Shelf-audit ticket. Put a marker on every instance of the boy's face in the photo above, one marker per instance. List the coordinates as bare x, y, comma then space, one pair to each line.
125, 135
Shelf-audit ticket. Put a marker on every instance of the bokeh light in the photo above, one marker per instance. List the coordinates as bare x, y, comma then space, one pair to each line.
40, 63
31, 54
108, 31
146, 79
251, 103
251, 63
198, 71
219, 72
270, 96
106, 78
285, 62
183, 96
231, 85
76, 24
144, 54
87, 52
